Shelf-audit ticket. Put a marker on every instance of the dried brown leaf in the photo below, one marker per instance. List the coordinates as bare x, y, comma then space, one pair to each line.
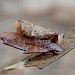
29, 45
43, 60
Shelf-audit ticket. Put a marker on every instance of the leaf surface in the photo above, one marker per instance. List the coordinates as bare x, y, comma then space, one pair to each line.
29, 45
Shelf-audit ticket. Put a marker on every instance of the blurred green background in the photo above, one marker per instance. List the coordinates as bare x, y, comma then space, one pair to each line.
59, 15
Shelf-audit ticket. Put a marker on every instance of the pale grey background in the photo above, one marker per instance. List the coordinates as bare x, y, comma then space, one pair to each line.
59, 15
